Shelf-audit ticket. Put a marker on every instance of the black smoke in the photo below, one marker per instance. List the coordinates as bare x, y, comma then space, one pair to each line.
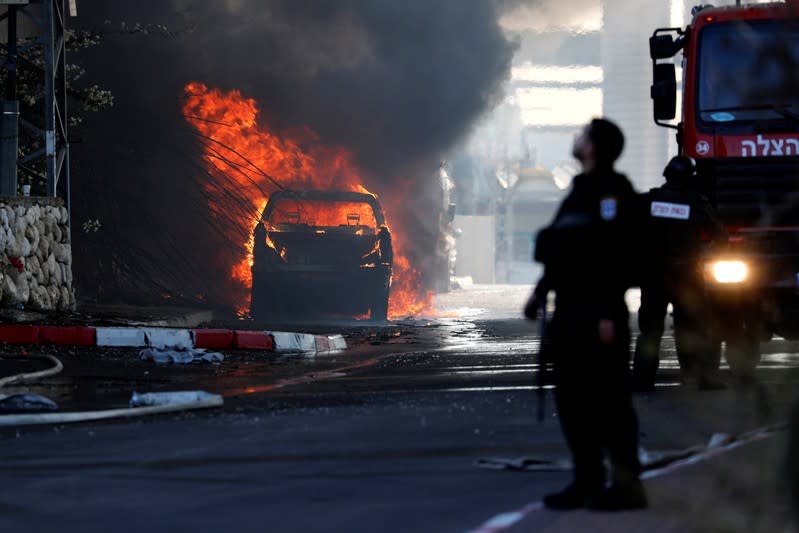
397, 83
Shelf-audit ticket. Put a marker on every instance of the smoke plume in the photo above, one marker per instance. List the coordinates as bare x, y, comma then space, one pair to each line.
396, 83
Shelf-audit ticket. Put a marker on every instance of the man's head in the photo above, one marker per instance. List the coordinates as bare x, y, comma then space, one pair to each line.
679, 170
599, 144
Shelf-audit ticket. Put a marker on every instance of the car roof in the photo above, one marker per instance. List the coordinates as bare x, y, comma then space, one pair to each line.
326, 194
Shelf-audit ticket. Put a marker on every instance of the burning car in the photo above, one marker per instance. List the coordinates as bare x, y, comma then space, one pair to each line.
321, 252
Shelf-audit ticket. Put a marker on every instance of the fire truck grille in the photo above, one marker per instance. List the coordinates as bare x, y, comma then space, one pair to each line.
757, 194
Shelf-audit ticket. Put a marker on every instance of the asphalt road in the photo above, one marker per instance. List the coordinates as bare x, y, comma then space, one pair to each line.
386, 436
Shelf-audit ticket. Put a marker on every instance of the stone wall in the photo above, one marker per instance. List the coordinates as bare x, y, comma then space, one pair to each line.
35, 254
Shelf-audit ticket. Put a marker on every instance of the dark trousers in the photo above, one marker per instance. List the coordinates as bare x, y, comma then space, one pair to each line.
592, 395
696, 353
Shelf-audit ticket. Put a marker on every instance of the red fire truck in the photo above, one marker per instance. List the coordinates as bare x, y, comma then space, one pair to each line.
740, 122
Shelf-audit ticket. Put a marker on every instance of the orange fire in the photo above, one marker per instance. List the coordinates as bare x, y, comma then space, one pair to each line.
258, 161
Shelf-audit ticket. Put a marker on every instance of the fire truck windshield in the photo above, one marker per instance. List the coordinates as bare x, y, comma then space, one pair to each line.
748, 71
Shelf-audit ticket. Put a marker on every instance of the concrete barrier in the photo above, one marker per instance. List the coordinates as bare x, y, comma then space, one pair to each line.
68, 335
19, 334
168, 337
134, 337
122, 337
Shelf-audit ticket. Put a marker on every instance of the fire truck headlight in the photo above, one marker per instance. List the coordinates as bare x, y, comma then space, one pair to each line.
728, 271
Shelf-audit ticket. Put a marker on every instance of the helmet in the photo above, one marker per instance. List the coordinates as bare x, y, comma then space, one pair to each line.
680, 168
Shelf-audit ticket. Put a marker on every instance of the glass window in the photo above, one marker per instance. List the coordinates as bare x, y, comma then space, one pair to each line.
748, 71
322, 213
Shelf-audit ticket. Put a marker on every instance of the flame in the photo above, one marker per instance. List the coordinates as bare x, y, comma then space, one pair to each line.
245, 156
405, 299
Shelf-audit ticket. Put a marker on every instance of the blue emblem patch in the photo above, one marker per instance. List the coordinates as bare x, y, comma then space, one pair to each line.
607, 208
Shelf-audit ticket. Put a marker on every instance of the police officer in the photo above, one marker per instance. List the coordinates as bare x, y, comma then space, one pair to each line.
587, 257
678, 218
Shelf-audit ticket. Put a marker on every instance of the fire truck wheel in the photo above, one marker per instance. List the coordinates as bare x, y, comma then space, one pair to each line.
743, 353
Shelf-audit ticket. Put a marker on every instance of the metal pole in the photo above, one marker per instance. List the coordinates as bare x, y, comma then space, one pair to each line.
509, 223
49, 98
64, 117
9, 121
11, 65
9, 131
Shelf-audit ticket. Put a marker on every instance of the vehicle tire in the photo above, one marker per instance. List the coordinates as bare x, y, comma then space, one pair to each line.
743, 352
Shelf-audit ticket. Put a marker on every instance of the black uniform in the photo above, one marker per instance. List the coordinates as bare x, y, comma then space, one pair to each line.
680, 225
587, 254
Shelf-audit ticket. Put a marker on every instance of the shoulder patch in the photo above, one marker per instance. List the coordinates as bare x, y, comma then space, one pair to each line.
608, 207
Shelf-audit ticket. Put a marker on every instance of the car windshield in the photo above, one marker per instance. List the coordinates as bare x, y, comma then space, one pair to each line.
749, 71
325, 213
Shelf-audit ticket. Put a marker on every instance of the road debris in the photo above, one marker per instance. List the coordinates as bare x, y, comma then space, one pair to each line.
183, 402
25, 402
180, 355
149, 399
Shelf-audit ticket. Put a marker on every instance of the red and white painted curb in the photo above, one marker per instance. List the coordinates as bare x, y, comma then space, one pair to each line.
140, 337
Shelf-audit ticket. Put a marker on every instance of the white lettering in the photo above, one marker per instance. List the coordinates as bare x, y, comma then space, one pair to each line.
763, 143
762, 146
670, 210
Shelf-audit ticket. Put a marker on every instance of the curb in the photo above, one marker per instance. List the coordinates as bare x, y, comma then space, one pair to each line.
141, 337
303, 342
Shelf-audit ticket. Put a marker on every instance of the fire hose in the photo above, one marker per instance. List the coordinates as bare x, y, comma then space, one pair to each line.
32, 376
104, 414
198, 401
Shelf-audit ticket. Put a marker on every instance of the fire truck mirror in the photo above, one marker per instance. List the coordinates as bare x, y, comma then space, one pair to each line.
664, 91
663, 46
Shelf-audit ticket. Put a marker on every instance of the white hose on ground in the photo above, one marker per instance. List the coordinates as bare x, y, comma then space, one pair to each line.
85, 416
31, 376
